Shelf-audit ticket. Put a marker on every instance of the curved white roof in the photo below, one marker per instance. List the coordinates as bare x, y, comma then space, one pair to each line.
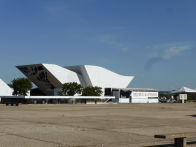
99, 76
5, 90
102, 77
61, 74
49, 76
184, 89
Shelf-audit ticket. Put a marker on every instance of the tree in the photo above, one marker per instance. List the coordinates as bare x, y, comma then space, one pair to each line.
92, 91
70, 89
21, 86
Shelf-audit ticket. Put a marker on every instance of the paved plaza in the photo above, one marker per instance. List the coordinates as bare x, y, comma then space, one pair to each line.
106, 125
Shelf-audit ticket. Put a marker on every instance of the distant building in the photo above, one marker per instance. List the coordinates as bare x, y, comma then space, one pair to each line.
49, 77
133, 95
191, 93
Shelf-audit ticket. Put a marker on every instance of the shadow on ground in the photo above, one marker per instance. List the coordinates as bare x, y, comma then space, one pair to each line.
171, 145
192, 142
192, 115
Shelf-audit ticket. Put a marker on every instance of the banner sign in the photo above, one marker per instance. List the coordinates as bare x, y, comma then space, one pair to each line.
183, 96
135, 94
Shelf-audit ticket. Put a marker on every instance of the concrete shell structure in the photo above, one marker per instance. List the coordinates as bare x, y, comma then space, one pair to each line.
98, 76
5, 90
49, 76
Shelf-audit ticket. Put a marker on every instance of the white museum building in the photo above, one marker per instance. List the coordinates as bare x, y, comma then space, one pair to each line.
49, 79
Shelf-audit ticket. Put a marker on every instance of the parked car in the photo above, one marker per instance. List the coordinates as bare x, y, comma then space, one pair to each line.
163, 100
171, 101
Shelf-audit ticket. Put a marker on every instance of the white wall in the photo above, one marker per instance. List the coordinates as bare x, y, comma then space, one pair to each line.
139, 100
155, 100
5, 90
124, 100
144, 100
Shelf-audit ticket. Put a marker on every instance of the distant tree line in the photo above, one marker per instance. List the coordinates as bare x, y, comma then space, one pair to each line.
72, 88
21, 86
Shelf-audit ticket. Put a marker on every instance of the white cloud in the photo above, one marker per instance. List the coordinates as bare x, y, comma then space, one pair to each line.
174, 50
167, 51
61, 11
113, 41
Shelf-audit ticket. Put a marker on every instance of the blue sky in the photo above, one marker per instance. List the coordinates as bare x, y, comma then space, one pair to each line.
154, 40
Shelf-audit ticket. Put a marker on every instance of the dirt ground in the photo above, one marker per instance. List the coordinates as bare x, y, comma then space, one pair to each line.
107, 125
